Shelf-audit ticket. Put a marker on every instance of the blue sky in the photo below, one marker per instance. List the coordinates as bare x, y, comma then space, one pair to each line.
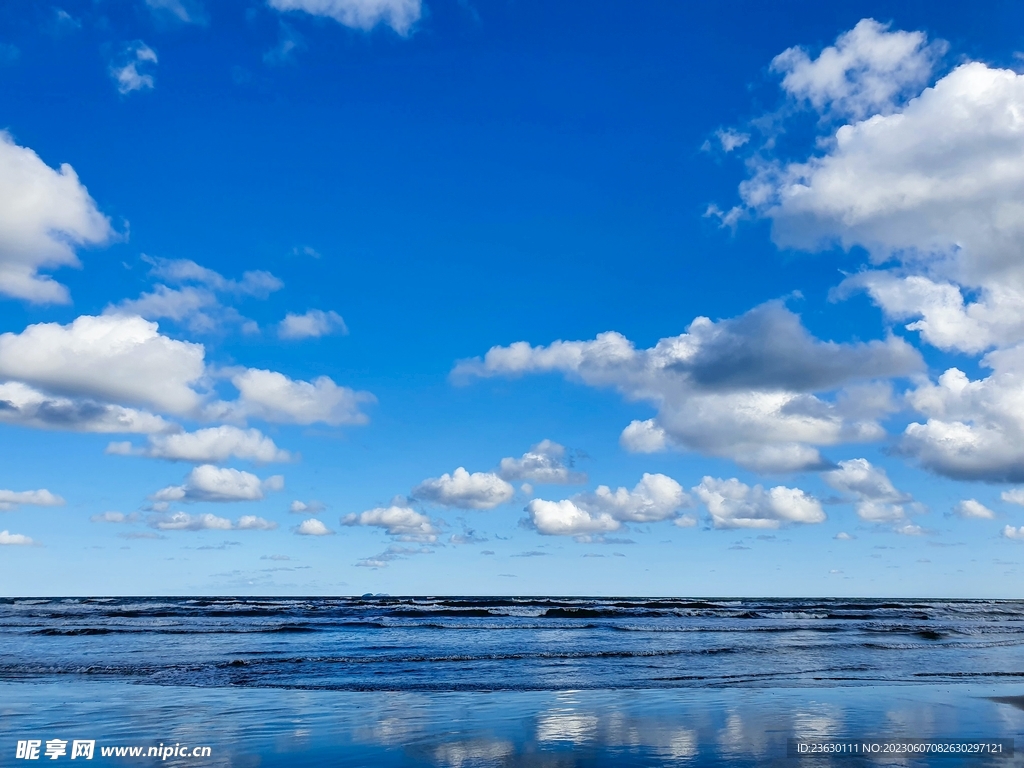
347, 296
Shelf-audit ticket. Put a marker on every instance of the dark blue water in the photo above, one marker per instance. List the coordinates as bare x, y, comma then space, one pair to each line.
530, 682
462, 644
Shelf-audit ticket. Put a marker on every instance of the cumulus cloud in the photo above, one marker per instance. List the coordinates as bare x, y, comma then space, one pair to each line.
544, 463
274, 397
220, 484
312, 527
1009, 532
1013, 496
400, 15
973, 509
656, 497
866, 72
403, 523
312, 325
14, 539
254, 523
205, 446
733, 504
109, 358
41, 498
131, 75
876, 498
974, 428
306, 508
25, 406
480, 490
742, 388
45, 214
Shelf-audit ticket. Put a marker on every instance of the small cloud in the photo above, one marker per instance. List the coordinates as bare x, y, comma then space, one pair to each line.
312, 527
306, 251
15, 539
486, 551
909, 529
1014, 533
115, 517
532, 553
844, 536
312, 507
971, 509
275, 557
312, 325
141, 535
128, 77
42, 498
685, 521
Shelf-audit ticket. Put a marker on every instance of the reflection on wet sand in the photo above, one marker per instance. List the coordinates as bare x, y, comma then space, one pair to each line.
538, 729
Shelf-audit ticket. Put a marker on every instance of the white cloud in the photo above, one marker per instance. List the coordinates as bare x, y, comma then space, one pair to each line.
312, 325
877, 499
45, 214
566, 518
400, 15
393, 552
733, 504
312, 527
303, 508
543, 464
276, 398
973, 510
865, 72
909, 529
730, 139
182, 521
187, 12
644, 437
114, 517
21, 404
656, 497
253, 523
17, 539
215, 444
844, 536
480, 490
1009, 532
41, 498
404, 523
1013, 496
974, 428
740, 388
221, 484
195, 301
938, 187
127, 76
110, 358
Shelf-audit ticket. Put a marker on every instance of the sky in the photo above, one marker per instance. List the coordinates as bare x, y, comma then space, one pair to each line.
335, 297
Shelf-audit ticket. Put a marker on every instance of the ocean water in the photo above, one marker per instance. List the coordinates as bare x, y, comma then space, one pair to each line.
508, 681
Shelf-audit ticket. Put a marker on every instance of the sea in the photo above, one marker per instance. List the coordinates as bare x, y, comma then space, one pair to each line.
511, 681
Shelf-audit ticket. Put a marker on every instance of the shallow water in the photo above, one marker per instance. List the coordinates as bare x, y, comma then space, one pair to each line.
507, 682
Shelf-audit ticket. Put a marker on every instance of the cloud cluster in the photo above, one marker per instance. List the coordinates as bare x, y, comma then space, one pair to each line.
219, 484
312, 325
45, 214
479, 490
733, 504
876, 499
190, 294
42, 498
400, 15
182, 521
130, 75
402, 523
543, 464
656, 497
206, 446
745, 388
